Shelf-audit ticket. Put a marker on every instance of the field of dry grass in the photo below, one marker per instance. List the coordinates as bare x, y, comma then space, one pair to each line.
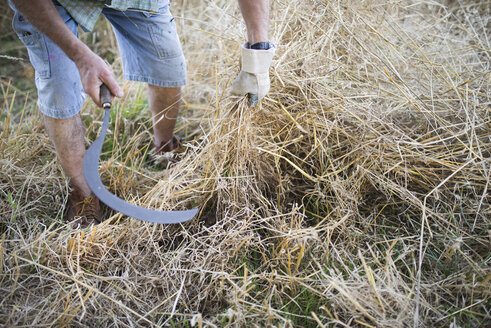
355, 195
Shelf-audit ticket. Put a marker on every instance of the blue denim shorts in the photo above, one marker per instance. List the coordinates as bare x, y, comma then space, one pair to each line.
149, 47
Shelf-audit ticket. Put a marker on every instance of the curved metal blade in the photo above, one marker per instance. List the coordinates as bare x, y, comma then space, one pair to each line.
91, 172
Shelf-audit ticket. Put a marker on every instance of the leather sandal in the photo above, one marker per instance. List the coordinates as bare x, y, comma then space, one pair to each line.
164, 155
82, 211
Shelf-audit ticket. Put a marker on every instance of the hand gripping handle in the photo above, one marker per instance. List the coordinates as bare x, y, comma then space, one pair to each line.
105, 96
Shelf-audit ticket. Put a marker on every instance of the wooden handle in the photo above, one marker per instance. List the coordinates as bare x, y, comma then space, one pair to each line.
105, 95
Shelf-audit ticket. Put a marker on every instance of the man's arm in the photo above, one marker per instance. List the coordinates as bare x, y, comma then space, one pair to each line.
93, 70
256, 18
257, 54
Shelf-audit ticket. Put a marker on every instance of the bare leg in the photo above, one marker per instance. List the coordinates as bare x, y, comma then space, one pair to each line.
256, 18
67, 136
164, 104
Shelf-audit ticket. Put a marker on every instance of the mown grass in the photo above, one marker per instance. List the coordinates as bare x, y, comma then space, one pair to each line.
355, 194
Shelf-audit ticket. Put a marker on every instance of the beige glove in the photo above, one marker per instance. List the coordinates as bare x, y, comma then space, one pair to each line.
254, 76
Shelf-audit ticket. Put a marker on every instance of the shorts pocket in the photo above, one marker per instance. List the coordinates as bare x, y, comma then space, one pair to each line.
38, 53
165, 39
35, 44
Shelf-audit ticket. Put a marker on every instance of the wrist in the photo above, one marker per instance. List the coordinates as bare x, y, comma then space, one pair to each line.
77, 51
260, 45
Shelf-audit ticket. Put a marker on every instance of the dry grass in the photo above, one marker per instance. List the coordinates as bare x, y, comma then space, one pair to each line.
356, 194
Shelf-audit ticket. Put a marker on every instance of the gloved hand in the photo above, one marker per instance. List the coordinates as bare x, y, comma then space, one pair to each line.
254, 76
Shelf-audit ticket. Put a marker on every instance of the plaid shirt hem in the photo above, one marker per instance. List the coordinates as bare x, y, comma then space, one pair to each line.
86, 12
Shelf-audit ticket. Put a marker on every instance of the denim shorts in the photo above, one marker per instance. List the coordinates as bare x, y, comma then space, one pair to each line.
148, 44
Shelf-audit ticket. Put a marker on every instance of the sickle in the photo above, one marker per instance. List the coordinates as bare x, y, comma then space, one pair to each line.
91, 173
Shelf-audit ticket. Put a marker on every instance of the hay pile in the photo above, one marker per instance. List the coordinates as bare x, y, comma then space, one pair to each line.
356, 194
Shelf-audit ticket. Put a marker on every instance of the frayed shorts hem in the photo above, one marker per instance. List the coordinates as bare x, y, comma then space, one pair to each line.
60, 113
159, 83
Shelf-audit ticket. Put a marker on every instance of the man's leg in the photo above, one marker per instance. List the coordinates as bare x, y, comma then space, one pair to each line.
60, 98
151, 52
67, 136
164, 104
